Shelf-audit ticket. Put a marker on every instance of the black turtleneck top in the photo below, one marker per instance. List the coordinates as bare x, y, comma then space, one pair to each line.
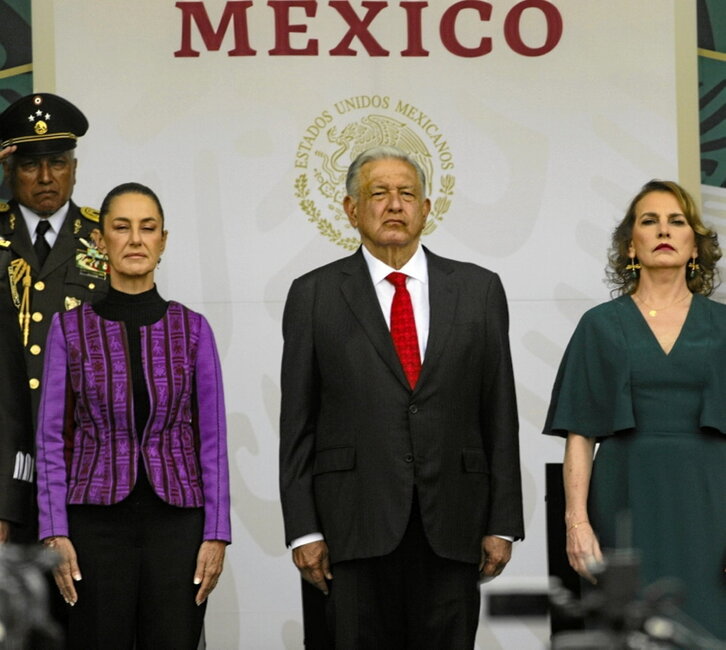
134, 311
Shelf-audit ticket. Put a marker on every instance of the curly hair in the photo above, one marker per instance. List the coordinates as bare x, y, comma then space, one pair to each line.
704, 281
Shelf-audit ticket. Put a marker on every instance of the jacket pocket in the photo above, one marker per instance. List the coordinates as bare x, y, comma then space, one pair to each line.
474, 460
334, 460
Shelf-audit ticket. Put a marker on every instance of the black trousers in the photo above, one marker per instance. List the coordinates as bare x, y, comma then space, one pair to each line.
137, 560
411, 599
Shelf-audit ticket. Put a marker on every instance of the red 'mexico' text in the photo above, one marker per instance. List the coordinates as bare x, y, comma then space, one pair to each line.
293, 17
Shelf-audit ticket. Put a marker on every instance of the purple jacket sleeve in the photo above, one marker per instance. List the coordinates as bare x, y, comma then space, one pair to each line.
212, 427
50, 461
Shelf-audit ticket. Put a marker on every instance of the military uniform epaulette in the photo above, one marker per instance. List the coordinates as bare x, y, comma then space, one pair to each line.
91, 214
4, 207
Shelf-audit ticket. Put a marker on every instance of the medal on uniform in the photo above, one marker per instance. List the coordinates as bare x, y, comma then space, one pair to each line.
90, 261
71, 302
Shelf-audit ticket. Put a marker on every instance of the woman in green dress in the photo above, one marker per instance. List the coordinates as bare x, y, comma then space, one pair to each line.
644, 375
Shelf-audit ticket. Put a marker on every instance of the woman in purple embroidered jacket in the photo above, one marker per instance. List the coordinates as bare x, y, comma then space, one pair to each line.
133, 482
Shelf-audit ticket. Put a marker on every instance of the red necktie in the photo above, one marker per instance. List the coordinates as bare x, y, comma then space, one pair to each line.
403, 328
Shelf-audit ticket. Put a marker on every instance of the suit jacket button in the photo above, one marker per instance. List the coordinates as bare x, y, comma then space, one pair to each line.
34, 383
413, 409
408, 458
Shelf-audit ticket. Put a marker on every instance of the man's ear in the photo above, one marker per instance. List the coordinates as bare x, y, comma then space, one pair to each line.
350, 208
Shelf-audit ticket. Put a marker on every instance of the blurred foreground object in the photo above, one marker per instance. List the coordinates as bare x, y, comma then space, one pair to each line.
24, 617
617, 613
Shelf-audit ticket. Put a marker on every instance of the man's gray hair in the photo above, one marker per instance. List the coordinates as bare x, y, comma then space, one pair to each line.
352, 180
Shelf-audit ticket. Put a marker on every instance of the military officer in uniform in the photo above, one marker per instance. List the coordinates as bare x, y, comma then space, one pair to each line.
48, 259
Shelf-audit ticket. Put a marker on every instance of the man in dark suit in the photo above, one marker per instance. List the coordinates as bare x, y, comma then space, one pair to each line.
48, 261
399, 461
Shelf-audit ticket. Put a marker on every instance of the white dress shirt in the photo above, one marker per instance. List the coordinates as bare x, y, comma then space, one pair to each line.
55, 220
417, 284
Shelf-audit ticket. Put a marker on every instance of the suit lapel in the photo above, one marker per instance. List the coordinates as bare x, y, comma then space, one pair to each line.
360, 295
64, 246
443, 298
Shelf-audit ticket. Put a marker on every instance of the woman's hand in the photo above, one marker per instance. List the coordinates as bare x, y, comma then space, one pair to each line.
210, 561
66, 571
583, 549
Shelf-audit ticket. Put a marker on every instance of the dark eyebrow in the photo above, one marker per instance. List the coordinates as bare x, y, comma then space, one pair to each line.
144, 219
655, 214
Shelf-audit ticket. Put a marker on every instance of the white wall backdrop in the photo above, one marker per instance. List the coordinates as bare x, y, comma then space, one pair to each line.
544, 153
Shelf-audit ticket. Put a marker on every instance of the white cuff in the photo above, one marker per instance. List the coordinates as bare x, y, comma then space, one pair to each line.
306, 539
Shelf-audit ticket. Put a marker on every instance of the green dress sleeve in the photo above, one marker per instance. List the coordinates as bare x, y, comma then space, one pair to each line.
592, 394
713, 406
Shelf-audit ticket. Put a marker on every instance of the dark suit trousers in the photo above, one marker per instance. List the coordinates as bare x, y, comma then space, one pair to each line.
411, 599
137, 559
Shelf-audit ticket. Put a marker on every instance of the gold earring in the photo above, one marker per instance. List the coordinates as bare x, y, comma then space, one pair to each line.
694, 266
633, 267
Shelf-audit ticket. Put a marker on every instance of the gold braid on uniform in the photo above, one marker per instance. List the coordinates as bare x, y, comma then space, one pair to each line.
19, 271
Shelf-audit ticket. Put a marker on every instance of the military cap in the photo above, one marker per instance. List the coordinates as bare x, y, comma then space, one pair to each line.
40, 124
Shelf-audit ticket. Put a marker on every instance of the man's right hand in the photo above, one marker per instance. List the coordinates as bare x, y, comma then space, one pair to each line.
4, 531
7, 152
314, 564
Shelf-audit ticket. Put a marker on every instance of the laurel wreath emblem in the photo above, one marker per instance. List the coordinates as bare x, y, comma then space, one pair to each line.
326, 179
324, 226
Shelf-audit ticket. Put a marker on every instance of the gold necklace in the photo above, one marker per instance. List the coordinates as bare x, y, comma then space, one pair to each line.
653, 311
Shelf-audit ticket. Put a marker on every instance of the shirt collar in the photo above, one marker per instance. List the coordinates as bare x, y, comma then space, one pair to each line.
55, 220
416, 267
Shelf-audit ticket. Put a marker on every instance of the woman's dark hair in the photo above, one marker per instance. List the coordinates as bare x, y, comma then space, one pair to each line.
128, 188
704, 281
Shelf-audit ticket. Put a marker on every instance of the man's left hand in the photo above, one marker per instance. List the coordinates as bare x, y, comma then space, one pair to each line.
4, 531
495, 554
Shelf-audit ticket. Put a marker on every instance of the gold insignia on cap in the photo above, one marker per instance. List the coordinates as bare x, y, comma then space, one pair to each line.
41, 128
90, 213
76, 226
